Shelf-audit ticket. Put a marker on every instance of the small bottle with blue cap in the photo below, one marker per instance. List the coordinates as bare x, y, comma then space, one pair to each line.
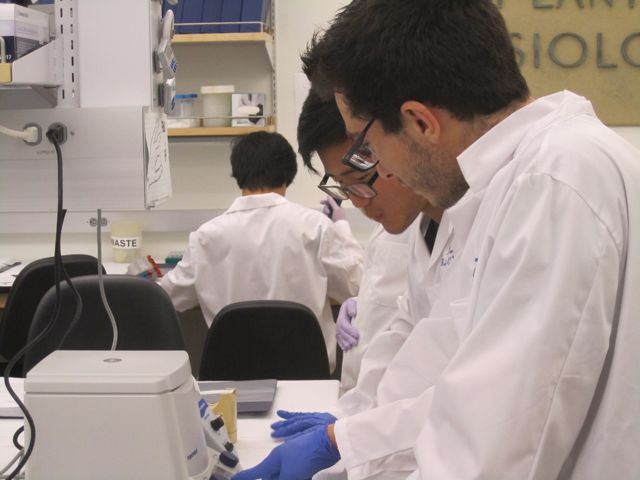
184, 113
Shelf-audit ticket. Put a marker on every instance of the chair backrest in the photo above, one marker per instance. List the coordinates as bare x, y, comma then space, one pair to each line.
27, 290
143, 311
264, 339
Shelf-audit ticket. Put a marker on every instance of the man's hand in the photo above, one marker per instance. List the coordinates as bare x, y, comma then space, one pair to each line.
295, 423
296, 459
332, 210
347, 335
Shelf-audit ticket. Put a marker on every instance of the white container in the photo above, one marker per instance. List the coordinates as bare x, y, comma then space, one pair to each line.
23, 29
216, 102
184, 114
126, 240
142, 403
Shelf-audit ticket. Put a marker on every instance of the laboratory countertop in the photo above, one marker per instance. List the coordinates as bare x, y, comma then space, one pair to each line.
254, 440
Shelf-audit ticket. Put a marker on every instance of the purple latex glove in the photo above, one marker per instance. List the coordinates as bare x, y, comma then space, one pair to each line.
332, 210
297, 422
346, 334
295, 459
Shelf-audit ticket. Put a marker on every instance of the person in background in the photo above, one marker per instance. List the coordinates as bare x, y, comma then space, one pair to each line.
389, 251
537, 262
265, 247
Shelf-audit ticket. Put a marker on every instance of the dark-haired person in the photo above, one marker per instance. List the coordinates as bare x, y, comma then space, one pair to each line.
536, 264
397, 249
265, 247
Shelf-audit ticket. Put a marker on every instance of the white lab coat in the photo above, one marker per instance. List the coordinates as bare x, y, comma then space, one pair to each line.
408, 309
523, 316
383, 347
377, 436
265, 247
384, 279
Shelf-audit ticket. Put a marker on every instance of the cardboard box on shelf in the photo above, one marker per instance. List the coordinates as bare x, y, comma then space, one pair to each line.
23, 30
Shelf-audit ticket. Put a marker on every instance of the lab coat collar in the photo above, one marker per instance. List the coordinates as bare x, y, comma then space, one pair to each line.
495, 149
492, 151
251, 202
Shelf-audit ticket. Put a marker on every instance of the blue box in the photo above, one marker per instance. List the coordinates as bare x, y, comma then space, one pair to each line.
211, 12
191, 13
254, 11
231, 12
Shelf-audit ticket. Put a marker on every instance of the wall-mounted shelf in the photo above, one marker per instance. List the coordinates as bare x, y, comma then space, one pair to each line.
36, 68
217, 131
241, 38
31, 81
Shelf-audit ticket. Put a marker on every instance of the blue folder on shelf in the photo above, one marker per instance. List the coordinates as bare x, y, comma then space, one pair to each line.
231, 12
254, 11
211, 12
191, 13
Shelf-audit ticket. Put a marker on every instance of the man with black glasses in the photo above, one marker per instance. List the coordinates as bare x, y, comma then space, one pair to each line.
396, 250
537, 259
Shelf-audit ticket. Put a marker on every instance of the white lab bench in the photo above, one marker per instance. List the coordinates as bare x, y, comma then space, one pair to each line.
254, 440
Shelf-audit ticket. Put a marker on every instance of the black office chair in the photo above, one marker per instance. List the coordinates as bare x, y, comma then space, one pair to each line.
27, 290
143, 311
264, 339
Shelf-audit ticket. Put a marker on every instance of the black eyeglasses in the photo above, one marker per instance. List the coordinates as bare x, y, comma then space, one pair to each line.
344, 192
360, 157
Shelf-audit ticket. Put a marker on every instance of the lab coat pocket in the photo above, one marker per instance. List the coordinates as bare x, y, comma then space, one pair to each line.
460, 314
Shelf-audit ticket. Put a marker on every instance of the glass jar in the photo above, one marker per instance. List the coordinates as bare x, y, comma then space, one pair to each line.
184, 113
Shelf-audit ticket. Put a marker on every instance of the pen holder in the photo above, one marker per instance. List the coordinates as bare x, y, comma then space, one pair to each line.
227, 406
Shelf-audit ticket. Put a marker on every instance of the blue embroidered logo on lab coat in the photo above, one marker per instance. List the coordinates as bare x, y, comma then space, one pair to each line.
446, 260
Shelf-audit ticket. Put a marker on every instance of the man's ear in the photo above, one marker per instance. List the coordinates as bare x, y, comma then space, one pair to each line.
420, 121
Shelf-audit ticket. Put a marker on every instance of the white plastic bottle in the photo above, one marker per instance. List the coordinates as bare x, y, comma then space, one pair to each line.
216, 103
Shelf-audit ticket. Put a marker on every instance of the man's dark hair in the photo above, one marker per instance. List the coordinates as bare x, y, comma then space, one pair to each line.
263, 160
320, 125
452, 54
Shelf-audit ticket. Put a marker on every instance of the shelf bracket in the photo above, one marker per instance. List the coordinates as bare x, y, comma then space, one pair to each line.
268, 45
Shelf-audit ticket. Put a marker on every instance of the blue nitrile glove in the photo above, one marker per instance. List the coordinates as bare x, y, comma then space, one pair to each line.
297, 422
332, 210
296, 459
346, 334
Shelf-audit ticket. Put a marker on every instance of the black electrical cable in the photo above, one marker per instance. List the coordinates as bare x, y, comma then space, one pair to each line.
17, 433
77, 313
58, 269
